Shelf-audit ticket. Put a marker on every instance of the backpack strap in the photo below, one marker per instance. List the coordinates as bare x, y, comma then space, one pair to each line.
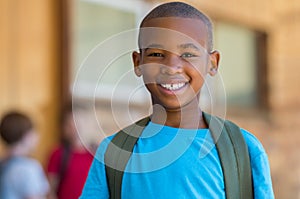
63, 165
234, 157
118, 153
231, 147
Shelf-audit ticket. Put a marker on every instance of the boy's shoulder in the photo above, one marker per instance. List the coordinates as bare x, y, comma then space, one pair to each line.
25, 165
255, 147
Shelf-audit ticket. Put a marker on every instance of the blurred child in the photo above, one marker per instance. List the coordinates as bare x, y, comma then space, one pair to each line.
20, 175
69, 163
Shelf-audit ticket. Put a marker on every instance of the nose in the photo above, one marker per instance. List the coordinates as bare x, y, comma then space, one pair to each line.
172, 65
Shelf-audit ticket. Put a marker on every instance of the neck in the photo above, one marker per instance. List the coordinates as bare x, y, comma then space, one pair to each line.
189, 117
17, 150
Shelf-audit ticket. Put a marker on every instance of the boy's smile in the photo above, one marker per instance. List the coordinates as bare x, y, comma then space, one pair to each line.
173, 86
173, 60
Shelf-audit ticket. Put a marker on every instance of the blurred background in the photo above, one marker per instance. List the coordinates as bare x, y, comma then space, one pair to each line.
43, 43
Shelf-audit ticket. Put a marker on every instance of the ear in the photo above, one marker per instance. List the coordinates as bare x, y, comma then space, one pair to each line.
214, 62
136, 58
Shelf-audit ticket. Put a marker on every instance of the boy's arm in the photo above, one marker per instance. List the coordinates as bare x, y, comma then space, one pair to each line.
262, 183
53, 181
52, 172
96, 184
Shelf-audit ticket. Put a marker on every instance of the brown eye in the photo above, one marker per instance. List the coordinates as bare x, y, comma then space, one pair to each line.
155, 55
188, 55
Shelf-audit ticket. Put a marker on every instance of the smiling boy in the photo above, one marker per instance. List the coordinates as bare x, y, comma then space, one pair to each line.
175, 156
173, 62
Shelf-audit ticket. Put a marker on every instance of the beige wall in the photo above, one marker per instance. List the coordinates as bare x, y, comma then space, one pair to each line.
284, 56
29, 64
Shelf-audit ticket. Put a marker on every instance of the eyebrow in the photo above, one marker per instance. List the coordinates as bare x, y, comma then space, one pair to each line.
182, 46
154, 46
189, 45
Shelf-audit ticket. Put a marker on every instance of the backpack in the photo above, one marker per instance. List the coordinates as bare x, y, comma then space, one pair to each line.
231, 146
63, 165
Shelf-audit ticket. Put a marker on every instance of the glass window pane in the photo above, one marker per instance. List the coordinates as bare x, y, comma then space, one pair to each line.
238, 63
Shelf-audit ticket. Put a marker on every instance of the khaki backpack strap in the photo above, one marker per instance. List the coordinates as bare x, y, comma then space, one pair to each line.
234, 157
118, 153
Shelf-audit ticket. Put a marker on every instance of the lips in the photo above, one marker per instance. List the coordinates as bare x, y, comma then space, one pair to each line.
174, 86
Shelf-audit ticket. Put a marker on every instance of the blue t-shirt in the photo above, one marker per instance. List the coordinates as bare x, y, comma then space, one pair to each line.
175, 163
22, 177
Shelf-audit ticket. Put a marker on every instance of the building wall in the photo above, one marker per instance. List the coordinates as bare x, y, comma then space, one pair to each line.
29, 79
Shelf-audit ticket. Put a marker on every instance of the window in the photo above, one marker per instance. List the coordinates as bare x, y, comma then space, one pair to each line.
102, 43
242, 65
103, 36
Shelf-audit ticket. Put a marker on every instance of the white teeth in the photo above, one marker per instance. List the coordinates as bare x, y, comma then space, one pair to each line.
173, 87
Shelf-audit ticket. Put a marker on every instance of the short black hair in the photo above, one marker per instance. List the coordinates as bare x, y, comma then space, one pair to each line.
14, 126
180, 9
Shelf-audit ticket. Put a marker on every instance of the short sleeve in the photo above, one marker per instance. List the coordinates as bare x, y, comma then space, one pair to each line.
30, 180
96, 185
260, 168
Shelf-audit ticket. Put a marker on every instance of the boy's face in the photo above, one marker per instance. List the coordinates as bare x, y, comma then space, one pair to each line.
174, 60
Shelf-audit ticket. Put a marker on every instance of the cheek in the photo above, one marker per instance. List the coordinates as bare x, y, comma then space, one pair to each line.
197, 78
150, 72
200, 67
